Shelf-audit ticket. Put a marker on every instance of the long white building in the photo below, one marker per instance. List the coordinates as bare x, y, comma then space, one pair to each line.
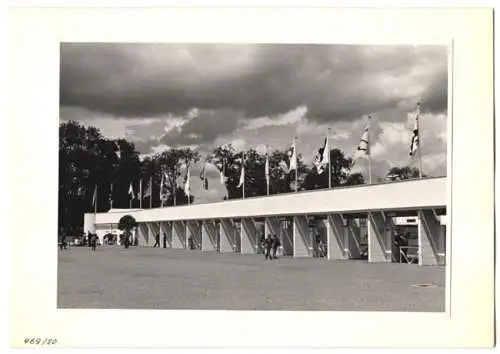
348, 220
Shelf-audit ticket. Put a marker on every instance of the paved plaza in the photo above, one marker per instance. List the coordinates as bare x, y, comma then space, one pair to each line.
157, 278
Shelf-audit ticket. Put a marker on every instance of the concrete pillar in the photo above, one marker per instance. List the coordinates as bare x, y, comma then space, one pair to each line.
193, 231
208, 236
302, 240
227, 235
379, 237
178, 234
249, 238
429, 229
89, 222
286, 237
353, 239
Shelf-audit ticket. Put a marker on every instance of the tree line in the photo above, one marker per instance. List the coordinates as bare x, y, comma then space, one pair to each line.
88, 159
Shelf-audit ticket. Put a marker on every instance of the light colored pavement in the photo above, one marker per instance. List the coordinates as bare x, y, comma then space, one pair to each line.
157, 278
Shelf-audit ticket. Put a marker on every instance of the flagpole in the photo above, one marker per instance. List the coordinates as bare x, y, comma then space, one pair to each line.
329, 159
267, 169
243, 172
140, 193
175, 185
296, 164
151, 192
111, 197
95, 205
369, 152
419, 142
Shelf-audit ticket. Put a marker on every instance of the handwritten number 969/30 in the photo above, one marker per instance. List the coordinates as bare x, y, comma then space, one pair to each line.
40, 341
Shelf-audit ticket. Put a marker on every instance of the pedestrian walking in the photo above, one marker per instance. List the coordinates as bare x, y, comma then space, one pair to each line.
268, 243
275, 244
157, 241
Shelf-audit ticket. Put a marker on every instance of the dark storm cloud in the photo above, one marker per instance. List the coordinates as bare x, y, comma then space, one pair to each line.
335, 82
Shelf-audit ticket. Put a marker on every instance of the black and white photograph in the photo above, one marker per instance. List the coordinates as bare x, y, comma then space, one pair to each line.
195, 178
253, 176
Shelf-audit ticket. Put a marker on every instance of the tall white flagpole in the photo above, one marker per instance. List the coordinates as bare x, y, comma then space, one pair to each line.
329, 159
95, 205
267, 169
150, 192
111, 197
419, 142
140, 193
296, 164
243, 173
368, 145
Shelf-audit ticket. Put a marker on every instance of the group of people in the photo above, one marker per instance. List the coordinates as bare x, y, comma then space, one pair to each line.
272, 242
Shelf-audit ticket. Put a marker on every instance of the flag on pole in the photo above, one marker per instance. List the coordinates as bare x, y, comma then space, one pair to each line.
203, 177
363, 149
131, 191
187, 181
94, 196
267, 167
322, 157
284, 166
415, 141
242, 174
148, 193
292, 152
110, 196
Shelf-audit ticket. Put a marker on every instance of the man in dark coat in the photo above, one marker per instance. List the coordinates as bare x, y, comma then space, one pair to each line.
164, 240
93, 241
157, 241
276, 243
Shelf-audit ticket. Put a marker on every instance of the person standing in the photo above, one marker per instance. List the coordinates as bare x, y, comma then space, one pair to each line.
157, 241
164, 240
275, 244
93, 242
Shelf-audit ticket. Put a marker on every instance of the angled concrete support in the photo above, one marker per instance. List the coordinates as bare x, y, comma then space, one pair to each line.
178, 234
227, 235
142, 234
379, 237
249, 238
193, 231
336, 237
302, 240
166, 230
154, 229
429, 232
209, 236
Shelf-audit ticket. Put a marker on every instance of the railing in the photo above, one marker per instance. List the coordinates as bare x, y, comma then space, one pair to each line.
405, 256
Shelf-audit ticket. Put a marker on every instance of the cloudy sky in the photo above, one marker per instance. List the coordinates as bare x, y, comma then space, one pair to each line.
204, 95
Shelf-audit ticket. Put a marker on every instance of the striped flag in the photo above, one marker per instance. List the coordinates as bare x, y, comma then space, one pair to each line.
322, 157
415, 141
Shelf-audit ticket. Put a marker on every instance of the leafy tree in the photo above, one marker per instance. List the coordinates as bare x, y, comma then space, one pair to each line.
168, 163
126, 224
403, 173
